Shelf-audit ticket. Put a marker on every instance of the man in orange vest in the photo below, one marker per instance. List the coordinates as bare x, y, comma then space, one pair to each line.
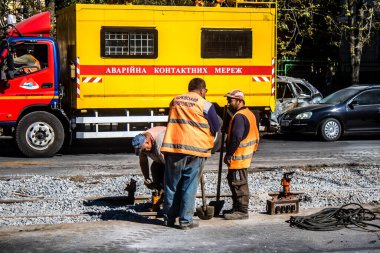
242, 142
188, 141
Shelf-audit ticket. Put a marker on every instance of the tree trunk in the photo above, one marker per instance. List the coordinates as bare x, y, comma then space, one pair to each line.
50, 6
355, 21
355, 65
356, 49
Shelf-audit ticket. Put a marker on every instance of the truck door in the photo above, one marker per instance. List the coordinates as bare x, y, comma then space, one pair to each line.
33, 80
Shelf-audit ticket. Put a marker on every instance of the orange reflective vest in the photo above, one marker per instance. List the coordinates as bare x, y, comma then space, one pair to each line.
242, 157
188, 131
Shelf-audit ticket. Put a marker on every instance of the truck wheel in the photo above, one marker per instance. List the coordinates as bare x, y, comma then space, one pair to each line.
331, 129
39, 134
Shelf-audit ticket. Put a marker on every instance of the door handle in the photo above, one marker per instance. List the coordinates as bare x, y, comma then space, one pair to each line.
46, 85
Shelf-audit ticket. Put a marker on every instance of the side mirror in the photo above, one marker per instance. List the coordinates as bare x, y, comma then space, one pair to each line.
353, 104
4, 81
6, 75
3, 76
10, 74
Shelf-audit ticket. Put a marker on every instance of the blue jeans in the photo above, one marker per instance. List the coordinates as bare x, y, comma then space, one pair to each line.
181, 183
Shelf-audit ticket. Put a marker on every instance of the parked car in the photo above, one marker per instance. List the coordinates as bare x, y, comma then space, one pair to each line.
292, 93
353, 110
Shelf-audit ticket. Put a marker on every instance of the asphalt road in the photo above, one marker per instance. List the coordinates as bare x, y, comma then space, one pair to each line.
111, 157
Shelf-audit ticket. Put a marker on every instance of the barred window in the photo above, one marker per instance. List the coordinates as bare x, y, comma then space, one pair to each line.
226, 43
117, 42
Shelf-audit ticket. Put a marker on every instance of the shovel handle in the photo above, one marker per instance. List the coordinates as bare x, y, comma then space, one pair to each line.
221, 153
204, 206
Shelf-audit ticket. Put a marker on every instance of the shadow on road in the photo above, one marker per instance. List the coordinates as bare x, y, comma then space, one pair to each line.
104, 146
122, 210
299, 137
8, 147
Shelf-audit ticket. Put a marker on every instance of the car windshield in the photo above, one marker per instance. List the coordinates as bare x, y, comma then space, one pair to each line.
339, 96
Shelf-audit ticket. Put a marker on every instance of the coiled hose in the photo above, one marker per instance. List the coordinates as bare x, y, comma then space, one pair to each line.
330, 219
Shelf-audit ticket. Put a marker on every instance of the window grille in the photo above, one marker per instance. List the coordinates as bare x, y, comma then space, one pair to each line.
226, 43
129, 42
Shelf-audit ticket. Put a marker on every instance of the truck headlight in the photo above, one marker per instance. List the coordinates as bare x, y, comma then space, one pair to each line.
304, 115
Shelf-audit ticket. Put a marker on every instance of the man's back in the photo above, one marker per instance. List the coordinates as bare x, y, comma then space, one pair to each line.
158, 134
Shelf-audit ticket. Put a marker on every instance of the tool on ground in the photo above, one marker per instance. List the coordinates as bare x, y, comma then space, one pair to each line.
218, 204
285, 201
131, 189
204, 212
157, 197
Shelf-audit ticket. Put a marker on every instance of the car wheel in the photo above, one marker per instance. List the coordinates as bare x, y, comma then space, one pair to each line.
331, 129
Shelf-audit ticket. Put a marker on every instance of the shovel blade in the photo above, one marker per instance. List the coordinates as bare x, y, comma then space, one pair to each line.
205, 213
218, 206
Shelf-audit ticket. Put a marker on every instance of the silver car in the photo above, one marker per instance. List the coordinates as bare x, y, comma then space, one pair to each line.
292, 93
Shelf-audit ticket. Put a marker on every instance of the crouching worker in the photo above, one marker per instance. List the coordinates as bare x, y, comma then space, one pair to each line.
242, 142
148, 144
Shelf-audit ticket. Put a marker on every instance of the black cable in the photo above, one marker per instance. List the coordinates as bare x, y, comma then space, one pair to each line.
330, 219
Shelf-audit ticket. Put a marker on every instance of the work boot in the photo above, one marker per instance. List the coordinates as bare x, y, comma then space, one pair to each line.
187, 226
232, 210
236, 216
170, 224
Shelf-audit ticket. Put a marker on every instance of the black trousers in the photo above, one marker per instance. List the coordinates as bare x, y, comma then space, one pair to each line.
238, 183
157, 170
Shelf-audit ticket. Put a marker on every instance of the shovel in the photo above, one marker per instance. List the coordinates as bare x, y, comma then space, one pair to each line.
218, 204
204, 212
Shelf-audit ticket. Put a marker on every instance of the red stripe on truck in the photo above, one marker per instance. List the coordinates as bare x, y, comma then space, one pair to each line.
175, 70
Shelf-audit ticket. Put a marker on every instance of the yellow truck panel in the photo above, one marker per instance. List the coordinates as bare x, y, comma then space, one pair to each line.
107, 82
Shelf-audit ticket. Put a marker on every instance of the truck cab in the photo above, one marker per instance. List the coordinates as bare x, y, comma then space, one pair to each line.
29, 89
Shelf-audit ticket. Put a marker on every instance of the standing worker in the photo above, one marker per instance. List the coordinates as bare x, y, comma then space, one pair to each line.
148, 144
242, 142
188, 142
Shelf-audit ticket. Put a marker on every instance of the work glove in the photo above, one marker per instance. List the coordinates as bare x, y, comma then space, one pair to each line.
149, 183
227, 159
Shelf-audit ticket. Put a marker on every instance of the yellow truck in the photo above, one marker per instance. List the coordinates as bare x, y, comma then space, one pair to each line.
120, 65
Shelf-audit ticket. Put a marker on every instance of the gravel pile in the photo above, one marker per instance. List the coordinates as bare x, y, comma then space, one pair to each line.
52, 200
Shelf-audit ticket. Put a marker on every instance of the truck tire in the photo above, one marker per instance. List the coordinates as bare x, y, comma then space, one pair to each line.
39, 134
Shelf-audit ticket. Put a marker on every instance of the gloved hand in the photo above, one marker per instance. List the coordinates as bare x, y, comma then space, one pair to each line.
149, 183
227, 159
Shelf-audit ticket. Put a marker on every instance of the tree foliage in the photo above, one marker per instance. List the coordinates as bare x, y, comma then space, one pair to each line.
306, 28
306, 21
22, 8
358, 26
323, 26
